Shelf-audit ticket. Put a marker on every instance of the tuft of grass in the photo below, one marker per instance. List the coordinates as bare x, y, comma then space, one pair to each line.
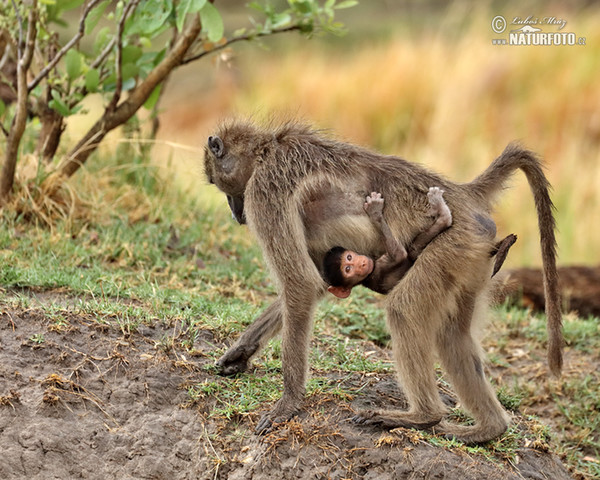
235, 397
358, 317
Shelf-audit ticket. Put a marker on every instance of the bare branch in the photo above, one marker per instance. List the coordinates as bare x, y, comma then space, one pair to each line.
44, 72
109, 46
119, 57
246, 37
20, 20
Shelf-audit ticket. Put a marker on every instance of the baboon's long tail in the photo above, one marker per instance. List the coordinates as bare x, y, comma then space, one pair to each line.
486, 186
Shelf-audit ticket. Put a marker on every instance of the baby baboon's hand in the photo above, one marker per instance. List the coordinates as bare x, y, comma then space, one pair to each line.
374, 205
436, 201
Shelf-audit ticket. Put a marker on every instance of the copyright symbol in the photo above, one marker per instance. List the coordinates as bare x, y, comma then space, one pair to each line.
498, 24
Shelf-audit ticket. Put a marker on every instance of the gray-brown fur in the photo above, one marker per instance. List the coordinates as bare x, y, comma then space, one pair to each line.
302, 193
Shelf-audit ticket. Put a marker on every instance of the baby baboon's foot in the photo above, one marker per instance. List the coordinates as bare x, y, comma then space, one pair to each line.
436, 200
284, 410
471, 435
502, 248
236, 360
392, 419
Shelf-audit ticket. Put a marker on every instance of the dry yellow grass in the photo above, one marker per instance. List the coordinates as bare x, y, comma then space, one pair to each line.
451, 102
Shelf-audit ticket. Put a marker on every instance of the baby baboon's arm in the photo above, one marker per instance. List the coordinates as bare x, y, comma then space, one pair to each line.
443, 219
374, 208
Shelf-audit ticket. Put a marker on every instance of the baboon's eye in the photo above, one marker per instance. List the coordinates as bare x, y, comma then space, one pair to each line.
347, 269
349, 257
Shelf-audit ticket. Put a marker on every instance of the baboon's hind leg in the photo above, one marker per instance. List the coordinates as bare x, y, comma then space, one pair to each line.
413, 319
254, 338
461, 359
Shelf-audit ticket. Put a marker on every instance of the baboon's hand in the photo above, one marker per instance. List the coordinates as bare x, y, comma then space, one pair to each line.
436, 201
236, 360
283, 410
374, 205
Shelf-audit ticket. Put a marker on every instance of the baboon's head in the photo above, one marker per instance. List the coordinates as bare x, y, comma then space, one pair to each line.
230, 157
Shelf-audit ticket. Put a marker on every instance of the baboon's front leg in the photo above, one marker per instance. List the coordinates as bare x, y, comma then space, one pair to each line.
297, 323
256, 336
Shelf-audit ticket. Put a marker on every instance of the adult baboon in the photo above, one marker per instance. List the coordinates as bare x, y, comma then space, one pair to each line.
303, 193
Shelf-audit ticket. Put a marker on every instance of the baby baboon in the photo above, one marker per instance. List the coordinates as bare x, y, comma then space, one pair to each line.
301, 193
343, 269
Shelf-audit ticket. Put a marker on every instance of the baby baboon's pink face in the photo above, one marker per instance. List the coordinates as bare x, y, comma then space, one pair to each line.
355, 267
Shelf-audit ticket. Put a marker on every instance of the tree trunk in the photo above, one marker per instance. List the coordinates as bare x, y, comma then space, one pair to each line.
7, 177
52, 128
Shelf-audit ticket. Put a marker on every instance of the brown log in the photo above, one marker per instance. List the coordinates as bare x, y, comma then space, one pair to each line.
579, 285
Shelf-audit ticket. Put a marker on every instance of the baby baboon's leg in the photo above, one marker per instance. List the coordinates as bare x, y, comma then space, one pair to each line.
461, 358
256, 336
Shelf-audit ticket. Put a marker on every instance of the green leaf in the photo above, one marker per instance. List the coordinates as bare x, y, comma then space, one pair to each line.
58, 105
281, 20
129, 70
75, 109
73, 64
94, 16
145, 42
128, 84
303, 7
197, 5
149, 18
102, 39
131, 54
2, 107
212, 23
68, 4
92, 79
153, 98
183, 8
346, 4
257, 6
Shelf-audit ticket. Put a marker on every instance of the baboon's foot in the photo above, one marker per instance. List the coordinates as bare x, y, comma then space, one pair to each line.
236, 359
475, 434
283, 411
392, 419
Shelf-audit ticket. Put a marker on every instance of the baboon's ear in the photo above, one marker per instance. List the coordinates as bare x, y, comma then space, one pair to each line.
340, 292
216, 146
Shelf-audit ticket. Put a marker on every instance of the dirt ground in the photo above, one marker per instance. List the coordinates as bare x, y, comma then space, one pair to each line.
82, 400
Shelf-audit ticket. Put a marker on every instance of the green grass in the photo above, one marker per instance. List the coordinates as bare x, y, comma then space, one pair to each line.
234, 397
